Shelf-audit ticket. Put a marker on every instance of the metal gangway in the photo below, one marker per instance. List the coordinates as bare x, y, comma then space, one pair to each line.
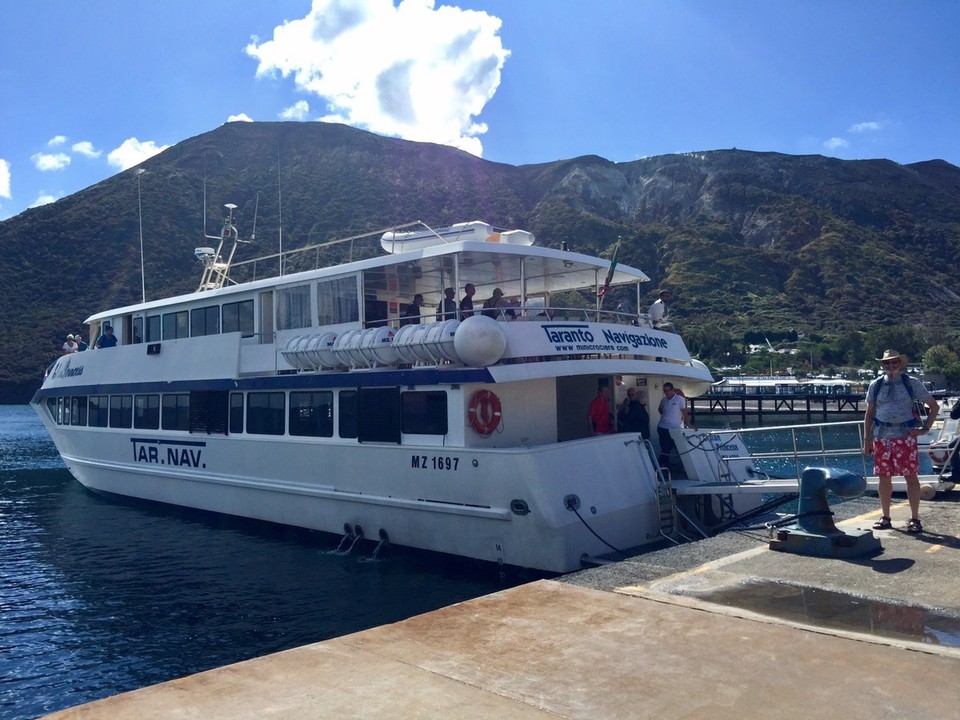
737, 468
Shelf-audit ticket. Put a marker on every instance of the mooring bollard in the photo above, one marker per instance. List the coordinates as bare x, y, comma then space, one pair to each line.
815, 532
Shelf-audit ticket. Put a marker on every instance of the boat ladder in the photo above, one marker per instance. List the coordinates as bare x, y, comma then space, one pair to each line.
666, 498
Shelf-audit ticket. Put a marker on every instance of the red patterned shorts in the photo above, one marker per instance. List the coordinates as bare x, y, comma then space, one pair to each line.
896, 456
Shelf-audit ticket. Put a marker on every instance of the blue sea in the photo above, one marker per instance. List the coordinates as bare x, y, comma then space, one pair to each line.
100, 596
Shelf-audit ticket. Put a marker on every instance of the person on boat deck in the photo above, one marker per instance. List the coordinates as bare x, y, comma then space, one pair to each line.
411, 314
890, 430
673, 415
70, 346
599, 412
491, 305
447, 309
633, 415
107, 339
81, 345
658, 311
466, 304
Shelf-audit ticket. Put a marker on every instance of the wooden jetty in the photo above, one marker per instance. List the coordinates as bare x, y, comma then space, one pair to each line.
813, 407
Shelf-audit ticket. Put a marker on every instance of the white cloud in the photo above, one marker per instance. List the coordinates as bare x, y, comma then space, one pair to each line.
57, 140
412, 71
133, 152
50, 161
86, 149
835, 143
43, 199
298, 111
5, 180
242, 117
866, 127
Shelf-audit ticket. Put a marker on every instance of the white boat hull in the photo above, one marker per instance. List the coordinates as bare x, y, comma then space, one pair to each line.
500, 506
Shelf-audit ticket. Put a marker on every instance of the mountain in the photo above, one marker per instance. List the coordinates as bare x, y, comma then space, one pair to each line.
748, 241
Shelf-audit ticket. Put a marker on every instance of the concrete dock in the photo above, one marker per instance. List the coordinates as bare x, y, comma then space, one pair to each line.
875, 637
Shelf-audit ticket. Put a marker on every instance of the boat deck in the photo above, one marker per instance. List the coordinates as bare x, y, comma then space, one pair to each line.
638, 638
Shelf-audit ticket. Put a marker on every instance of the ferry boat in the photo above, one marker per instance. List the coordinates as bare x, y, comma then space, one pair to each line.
308, 399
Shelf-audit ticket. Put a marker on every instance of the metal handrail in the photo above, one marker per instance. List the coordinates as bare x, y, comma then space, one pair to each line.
796, 454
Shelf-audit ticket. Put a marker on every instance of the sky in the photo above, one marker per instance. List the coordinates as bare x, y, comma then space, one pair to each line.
89, 88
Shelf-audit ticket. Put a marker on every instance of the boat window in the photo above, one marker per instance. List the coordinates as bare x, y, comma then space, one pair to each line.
238, 317
52, 408
347, 414
265, 413
99, 407
311, 414
379, 415
121, 411
236, 413
293, 307
266, 317
337, 301
138, 329
424, 413
175, 413
146, 412
208, 411
153, 328
78, 410
205, 321
176, 325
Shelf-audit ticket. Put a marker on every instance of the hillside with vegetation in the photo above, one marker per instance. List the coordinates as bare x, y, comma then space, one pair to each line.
837, 257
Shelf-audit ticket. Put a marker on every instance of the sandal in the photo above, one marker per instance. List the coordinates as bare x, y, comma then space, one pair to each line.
883, 523
914, 527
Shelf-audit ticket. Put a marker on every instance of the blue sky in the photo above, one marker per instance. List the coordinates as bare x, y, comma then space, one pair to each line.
89, 88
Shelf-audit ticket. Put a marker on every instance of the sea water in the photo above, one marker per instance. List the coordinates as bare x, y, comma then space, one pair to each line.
100, 596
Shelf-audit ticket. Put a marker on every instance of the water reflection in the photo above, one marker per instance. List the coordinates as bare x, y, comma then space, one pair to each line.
840, 611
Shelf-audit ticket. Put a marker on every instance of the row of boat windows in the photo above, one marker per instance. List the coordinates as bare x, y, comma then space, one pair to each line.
210, 320
366, 414
336, 303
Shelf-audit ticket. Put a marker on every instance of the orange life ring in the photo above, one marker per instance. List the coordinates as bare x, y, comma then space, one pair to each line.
485, 412
939, 457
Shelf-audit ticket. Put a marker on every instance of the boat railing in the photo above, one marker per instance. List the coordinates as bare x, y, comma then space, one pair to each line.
783, 452
524, 313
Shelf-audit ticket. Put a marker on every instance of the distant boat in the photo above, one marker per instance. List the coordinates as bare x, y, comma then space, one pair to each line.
783, 385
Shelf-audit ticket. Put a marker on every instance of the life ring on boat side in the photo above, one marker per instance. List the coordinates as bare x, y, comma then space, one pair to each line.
485, 412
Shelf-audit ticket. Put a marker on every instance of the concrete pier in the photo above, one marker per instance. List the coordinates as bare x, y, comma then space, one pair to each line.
636, 639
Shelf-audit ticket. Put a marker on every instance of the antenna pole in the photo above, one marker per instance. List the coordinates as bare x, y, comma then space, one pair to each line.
143, 278
280, 208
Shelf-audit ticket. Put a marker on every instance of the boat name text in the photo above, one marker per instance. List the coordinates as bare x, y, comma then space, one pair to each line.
168, 452
63, 370
574, 337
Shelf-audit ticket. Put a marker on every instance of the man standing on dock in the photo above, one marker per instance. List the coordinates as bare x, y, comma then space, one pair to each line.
890, 430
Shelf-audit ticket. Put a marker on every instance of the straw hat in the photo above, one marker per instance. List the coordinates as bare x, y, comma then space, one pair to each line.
892, 355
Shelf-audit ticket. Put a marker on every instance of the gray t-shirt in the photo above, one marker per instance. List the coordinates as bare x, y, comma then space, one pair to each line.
894, 406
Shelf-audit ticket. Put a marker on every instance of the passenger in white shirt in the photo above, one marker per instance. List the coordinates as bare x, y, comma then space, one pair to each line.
658, 311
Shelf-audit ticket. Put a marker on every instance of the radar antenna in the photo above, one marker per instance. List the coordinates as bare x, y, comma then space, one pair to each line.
216, 269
